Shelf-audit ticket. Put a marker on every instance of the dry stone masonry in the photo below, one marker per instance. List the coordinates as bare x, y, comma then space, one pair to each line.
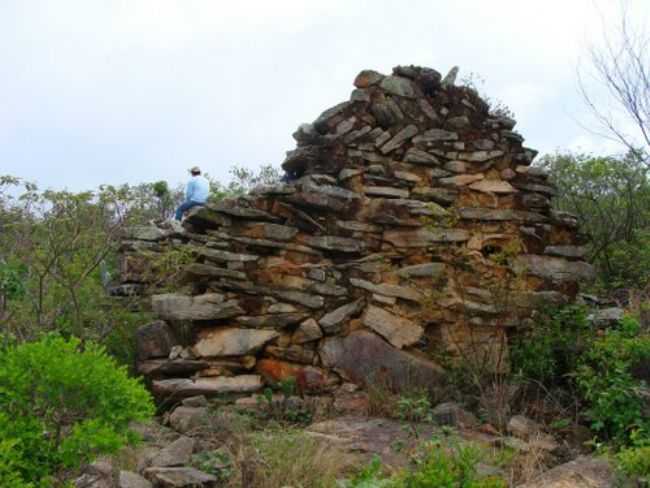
415, 228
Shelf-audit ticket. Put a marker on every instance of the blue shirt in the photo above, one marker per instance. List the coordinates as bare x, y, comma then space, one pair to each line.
197, 190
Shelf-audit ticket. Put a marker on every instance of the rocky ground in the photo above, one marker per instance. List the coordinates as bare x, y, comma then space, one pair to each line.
283, 441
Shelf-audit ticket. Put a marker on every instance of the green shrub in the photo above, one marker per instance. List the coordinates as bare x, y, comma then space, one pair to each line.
451, 466
369, 477
607, 384
217, 463
62, 405
10, 465
635, 462
414, 407
551, 350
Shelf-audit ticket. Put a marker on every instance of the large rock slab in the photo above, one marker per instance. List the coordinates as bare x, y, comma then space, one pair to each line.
334, 243
584, 472
325, 197
366, 358
554, 268
208, 271
185, 419
178, 453
493, 186
385, 289
371, 437
231, 341
170, 367
210, 306
184, 387
426, 270
271, 321
400, 332
500, 215
425, 237
180, 478
206, 217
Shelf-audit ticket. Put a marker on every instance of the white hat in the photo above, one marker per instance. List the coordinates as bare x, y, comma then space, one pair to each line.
195, 169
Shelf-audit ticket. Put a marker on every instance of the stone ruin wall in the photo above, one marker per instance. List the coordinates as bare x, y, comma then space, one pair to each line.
416, 227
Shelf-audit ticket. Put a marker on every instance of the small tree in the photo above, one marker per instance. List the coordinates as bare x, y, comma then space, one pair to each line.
621, 66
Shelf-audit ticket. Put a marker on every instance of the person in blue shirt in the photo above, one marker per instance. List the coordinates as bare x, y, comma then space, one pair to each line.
196, 193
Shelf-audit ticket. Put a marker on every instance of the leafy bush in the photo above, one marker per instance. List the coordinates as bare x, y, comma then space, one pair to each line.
635, 462
551, 350
449, 468
439, 467
414, 407
10, 464
61, 405
217, 463
369, 477
606, 381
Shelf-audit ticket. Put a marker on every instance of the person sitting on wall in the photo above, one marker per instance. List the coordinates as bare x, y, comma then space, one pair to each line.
196, 193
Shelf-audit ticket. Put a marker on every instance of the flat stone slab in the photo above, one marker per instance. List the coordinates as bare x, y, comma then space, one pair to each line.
400, 332
178, 453
553, 268
366, 358
180, 478
426, 270
231, 341
396, 291
370, 437
210, 306
184, 387
425, 237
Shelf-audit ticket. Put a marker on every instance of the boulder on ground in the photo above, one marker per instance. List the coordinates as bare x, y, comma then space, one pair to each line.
366, 359
584, 472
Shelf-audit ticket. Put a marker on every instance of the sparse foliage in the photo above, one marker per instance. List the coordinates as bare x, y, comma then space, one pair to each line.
621, 67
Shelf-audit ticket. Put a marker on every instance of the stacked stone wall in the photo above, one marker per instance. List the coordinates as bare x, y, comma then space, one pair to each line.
415, 228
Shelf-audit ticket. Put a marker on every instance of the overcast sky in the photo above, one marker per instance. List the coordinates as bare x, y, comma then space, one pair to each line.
114, 91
